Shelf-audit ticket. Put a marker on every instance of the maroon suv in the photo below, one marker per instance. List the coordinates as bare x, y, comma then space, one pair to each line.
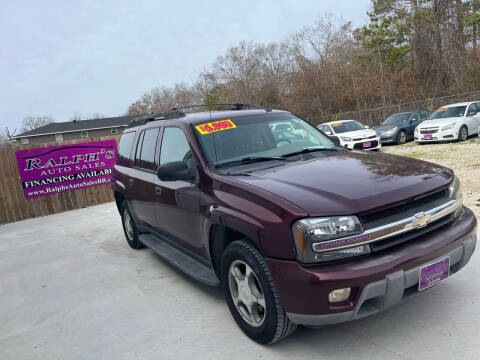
296, 229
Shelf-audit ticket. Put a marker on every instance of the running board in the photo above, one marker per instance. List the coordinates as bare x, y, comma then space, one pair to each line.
180, 260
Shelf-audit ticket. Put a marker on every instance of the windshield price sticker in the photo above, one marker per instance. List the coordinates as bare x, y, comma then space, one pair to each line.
337, 124
215, 126
442, 109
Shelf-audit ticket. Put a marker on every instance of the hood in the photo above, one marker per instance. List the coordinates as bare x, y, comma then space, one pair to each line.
350, 182
438, 122
358, 134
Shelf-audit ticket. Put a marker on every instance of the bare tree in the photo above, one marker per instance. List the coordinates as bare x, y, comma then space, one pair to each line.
33, 122
6, 135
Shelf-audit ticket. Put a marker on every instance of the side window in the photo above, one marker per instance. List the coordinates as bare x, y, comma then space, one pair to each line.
145, 155
328, 130
125, 147
424, 114
175, 147
472, 109
139, 149
415, 117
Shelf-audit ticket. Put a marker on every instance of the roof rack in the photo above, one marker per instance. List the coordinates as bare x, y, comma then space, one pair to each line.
176, 112
236, 106
143, 119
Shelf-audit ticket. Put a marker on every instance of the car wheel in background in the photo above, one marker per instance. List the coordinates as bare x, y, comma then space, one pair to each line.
129, 228
463, 133
251, 294
401, 137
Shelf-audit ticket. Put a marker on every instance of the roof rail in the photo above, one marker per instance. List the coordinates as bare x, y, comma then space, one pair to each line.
143, 119
176, 112
236, 106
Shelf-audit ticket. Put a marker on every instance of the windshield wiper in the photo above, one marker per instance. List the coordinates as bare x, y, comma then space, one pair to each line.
308, 150
251, 159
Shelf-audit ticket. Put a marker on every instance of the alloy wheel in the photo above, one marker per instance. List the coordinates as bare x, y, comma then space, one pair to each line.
247, 293
463, 134
402, 137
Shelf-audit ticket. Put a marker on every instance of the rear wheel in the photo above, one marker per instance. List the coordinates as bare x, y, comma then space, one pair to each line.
463, 133
129, 228
401, 137
251, 294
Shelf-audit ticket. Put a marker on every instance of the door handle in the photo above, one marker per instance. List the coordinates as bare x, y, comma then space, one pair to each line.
158, 190
131, 181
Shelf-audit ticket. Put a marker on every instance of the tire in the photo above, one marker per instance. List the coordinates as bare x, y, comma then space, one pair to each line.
265, 323
130, 231
401, 137
462, 133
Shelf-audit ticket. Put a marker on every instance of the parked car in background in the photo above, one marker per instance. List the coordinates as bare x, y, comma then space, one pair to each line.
399, 128
450, 122
352, 134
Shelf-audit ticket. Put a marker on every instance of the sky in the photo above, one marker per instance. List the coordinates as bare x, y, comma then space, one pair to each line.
60, 58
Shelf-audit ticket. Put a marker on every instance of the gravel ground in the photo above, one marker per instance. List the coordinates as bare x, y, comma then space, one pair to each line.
463, 158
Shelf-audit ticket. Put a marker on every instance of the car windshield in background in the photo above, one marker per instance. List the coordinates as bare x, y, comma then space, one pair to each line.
444, 112
396, 118
258, 136
346, 126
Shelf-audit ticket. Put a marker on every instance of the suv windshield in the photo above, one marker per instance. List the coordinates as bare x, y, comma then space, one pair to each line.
341, 127
396, 118
258, 136
444, 112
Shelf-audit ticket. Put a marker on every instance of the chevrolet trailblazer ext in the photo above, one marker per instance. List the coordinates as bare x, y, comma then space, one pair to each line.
295, 229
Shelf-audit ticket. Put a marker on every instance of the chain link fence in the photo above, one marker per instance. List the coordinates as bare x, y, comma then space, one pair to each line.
375, 116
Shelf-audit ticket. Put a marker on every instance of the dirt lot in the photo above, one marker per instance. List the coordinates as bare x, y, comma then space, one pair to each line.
463, 158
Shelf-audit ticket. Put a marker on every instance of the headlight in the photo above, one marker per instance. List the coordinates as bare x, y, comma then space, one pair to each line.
448, 127
344, 138
391, 131
314, 237
455, 192
455, 189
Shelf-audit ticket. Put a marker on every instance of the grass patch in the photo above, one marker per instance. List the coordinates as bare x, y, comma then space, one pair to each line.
416, 155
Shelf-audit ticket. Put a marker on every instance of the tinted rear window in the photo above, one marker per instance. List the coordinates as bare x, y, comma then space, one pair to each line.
145, 155
125, 147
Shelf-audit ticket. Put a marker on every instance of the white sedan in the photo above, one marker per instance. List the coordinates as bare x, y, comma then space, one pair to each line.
450, 122
352, 134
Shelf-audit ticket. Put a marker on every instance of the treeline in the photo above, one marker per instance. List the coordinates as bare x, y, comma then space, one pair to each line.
410, 50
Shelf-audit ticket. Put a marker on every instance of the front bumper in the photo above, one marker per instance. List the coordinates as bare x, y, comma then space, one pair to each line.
440, 135
378, 281
373, 144
390, 138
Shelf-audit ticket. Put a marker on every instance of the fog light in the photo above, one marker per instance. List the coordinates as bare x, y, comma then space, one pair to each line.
339, 295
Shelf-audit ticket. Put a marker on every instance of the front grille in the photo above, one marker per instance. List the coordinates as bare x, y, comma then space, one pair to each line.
360, 145
429, 131
399, 239
402, 211
370, 137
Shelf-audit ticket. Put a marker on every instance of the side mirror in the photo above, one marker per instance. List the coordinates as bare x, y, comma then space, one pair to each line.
329, 133
471, 113
175, 170
367, 127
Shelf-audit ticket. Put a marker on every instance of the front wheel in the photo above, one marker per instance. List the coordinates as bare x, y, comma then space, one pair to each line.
251, 294
401, 137
463, 133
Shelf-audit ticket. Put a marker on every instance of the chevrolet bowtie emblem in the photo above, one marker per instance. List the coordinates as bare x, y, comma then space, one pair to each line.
421, 220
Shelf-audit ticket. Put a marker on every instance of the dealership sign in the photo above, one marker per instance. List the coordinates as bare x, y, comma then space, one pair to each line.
56, 169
